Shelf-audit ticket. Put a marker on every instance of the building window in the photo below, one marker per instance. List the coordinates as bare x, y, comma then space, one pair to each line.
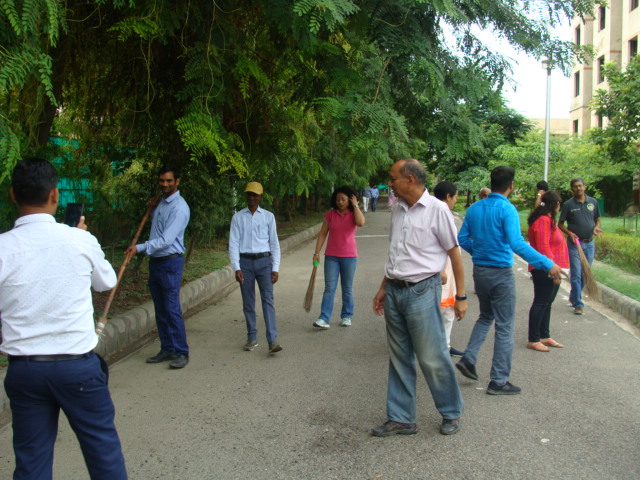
633, 48
576, 84
634, 4
575, 127
601, 69
578, 35
602, 15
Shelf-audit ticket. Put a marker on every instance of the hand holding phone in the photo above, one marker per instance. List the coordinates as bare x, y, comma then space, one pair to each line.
73, 213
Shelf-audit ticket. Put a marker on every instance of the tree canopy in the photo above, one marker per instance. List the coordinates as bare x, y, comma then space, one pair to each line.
301, 95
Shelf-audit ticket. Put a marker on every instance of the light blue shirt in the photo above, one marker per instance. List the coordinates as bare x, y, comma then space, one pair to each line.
253, 234
491, 234
169, 220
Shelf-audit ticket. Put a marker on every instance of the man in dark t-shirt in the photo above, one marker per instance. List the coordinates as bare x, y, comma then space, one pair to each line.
582, 218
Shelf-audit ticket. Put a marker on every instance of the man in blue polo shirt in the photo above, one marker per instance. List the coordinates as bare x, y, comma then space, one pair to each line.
491, 234
583, 222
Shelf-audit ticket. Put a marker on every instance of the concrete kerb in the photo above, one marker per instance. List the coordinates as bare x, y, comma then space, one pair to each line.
134, 324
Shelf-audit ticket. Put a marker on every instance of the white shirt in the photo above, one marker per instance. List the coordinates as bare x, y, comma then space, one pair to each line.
254, 234
46, 272
420, 238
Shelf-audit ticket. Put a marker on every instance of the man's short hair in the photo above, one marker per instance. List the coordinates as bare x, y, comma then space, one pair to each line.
542, 185
575, 180
32, 180
170, 168
501, 178
414, 167
443, 189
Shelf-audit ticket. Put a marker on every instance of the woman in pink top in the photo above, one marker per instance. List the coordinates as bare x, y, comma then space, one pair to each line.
546, 238
341, 254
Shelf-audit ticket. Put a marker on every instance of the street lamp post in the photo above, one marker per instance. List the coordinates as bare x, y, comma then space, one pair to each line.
546, 63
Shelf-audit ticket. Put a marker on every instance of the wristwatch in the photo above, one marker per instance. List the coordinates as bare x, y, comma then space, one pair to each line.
463, 297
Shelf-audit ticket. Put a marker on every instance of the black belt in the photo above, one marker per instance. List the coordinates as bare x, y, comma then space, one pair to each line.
586, 240
404, 284
166, 257
48, 358
255, 256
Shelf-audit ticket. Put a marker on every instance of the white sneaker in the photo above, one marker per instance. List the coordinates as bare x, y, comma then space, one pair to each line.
345, 322
320, 324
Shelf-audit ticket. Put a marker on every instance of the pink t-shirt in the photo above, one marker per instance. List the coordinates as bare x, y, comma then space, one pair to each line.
342, 234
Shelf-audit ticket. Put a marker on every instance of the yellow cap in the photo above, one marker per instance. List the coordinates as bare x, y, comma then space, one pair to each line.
254, 187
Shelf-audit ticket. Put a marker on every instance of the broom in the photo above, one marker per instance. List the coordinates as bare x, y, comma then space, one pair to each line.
587, 274
308, 298
102, 321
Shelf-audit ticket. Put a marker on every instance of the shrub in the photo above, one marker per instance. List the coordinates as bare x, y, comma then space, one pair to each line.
620, 250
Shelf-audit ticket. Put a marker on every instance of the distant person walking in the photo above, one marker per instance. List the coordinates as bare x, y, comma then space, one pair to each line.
366, 197
254, 251
547, 239
393, 200
375, 193
341, 256
166, 263
422, 236
582, 217
447, 192
491, 234
47, 271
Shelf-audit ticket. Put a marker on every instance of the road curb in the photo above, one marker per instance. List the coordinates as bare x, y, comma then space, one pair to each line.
134, 324
625, 306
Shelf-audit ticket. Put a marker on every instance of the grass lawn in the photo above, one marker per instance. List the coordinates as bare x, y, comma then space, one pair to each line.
620, 281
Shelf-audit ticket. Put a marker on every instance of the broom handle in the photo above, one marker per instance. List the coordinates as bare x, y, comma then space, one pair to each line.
102, 321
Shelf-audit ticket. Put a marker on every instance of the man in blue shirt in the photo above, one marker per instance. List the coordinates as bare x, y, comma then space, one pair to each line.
254, 251
491, 234
166, 249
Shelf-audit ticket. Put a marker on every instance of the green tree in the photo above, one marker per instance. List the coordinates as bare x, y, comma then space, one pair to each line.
569, 157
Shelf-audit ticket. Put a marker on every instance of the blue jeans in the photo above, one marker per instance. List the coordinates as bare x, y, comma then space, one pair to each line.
345, 267
415, 331
544, 293
496, 290
577, 280
258, 270
165, 276
373, 203
37, 391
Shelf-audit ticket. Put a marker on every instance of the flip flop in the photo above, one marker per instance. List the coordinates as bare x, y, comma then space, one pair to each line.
550, 342
537, 346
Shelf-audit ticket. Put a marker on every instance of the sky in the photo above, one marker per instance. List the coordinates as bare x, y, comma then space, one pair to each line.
530, 96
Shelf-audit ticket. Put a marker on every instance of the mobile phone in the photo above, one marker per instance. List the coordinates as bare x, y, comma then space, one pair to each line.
73, 213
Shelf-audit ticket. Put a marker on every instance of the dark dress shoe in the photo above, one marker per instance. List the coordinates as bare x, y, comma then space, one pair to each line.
467, 369
180, 361
161, 357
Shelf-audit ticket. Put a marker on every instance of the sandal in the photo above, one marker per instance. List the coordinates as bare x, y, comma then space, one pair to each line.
537, 346
550, 342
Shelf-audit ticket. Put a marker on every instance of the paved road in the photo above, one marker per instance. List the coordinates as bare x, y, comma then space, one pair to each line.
306, 412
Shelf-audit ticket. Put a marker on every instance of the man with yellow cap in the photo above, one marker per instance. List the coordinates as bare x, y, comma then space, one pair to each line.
255, 257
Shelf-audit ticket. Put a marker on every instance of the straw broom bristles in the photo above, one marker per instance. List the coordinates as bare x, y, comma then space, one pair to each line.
308, 298
589, 280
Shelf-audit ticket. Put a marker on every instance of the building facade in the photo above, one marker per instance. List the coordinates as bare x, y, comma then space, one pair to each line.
613, 31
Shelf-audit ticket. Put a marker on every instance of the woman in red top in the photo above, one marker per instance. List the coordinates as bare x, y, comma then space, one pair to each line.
546, 238
341, 255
